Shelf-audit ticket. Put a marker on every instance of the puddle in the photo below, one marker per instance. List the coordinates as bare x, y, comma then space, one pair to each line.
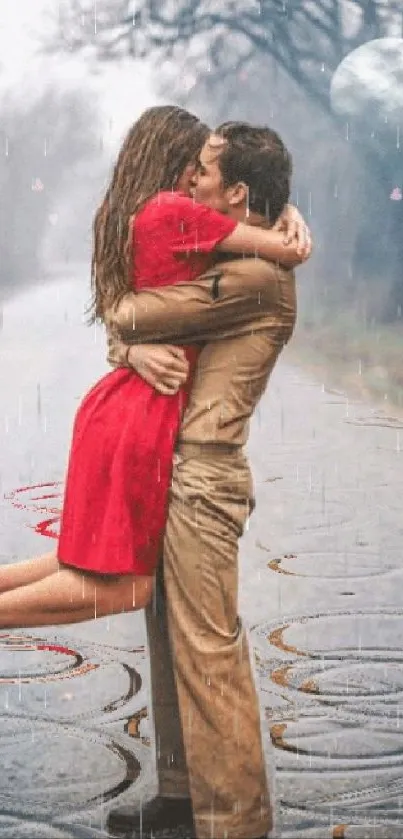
74, 715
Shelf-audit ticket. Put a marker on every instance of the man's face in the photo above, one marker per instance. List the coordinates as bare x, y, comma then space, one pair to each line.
185, 182
207, 185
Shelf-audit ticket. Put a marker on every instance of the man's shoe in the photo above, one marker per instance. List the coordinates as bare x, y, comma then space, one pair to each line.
158, 814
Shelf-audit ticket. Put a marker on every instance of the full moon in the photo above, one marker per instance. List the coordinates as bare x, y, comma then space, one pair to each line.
368, 84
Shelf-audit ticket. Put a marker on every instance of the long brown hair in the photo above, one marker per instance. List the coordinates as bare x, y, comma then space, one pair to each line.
153, 156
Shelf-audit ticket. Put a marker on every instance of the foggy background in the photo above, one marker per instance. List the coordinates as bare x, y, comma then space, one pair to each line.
75, 75
61, 124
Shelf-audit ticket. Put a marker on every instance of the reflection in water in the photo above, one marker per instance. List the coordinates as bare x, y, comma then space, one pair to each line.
92, 768
74, 719
332, 679
76, 770
49, 764
134, 726
341, 684
27, 498
133, 689
62, 669
336, 565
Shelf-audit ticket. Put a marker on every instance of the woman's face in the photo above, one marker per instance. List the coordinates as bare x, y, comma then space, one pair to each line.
186, 178
207, 186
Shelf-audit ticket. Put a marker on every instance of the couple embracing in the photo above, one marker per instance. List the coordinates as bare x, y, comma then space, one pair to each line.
194, 246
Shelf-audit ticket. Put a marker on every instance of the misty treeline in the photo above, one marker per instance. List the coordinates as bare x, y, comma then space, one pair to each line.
272, 61
342, 188
47, 150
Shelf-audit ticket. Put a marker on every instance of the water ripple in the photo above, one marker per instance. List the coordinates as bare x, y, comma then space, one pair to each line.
336, 565
95, 767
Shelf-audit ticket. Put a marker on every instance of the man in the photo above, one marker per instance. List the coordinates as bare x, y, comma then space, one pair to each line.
210, 761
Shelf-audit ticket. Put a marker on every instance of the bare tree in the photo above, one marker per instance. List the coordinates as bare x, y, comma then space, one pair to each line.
237, 58
308, 38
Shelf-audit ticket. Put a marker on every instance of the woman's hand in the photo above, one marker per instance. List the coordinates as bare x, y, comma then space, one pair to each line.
289, 250
163, 366
295, 230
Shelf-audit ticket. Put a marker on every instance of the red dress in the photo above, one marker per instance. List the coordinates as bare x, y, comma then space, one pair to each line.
120, 464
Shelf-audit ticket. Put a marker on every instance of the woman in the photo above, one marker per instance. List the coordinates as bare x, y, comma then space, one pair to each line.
147, 232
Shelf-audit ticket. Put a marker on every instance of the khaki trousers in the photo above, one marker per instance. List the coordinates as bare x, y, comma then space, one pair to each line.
205, 705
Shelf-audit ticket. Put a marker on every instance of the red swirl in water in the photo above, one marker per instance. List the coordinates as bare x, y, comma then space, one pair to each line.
77, 666
23, 500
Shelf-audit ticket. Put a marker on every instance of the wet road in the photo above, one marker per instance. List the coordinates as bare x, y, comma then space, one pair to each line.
321, 590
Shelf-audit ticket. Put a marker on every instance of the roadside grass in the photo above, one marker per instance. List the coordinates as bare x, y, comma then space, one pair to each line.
365, 360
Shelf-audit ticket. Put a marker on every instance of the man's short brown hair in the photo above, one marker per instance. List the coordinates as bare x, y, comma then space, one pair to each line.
258, 157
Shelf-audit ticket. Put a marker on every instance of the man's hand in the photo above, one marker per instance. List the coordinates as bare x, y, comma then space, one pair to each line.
293, 225
164, 367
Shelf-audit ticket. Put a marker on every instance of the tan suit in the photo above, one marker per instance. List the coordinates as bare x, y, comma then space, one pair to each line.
212, 748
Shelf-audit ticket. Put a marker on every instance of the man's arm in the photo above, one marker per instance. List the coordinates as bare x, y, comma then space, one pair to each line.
218, 305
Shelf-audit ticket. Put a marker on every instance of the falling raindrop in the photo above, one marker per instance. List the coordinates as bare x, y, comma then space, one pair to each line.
282, 422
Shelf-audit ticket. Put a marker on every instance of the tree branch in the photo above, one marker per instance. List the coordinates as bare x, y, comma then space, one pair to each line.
304, 36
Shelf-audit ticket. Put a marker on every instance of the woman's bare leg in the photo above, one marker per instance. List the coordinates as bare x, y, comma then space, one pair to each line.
30, 571
71, 596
